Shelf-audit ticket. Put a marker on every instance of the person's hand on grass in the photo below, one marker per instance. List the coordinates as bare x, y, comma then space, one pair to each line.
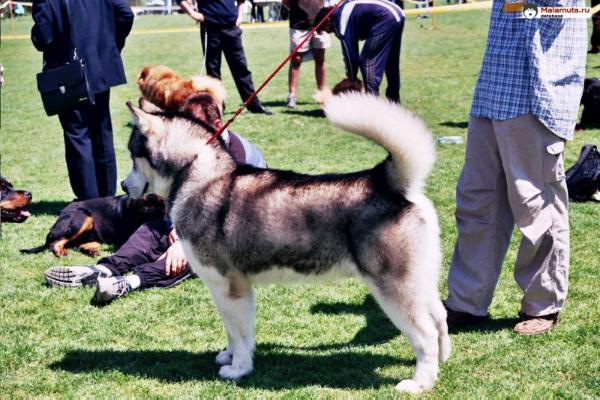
175, 259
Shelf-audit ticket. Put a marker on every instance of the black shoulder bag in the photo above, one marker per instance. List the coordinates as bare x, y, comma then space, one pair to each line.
583, 178
67, 86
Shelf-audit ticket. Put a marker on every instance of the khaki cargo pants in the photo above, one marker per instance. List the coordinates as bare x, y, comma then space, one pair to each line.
513, 174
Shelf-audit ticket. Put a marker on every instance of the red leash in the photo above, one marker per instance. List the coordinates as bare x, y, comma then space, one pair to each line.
266, 82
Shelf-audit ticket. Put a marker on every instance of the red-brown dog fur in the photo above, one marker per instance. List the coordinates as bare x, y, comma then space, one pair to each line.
166, 89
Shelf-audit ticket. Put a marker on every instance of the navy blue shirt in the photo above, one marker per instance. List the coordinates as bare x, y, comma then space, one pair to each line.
359, 20
97, 28
218, 13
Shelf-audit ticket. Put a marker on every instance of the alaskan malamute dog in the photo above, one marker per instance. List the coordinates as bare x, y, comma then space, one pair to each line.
241, 225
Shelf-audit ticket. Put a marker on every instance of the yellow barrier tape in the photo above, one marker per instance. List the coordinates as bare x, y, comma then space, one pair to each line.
275, 24
418, 2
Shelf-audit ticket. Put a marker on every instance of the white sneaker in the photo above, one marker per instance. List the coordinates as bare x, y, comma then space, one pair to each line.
109, 289
74, 276
291, 102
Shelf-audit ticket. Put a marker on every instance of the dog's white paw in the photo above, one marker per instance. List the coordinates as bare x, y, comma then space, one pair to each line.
410, 386
224, 358
233, 372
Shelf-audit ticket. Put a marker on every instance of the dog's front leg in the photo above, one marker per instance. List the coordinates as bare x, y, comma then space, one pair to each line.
235, 302
225, 357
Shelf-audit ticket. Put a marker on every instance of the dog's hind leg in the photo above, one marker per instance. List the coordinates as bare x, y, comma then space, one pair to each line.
410, 313
438, 312
90, 248
67, 231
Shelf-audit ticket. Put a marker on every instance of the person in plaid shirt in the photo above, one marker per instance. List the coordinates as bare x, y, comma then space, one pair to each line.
524, 109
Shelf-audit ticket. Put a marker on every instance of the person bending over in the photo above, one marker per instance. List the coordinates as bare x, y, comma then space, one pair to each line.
380, 24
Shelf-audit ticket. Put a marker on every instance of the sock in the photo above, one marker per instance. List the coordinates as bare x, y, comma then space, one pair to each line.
104, 270
133, 281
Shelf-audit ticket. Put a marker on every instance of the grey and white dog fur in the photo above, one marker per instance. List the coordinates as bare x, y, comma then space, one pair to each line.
241, 225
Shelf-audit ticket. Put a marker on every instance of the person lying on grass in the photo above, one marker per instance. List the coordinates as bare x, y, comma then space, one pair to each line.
152, 256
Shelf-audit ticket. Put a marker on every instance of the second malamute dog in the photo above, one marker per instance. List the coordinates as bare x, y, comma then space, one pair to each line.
241, 225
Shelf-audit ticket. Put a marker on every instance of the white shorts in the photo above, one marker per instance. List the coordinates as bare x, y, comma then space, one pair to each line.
317, 41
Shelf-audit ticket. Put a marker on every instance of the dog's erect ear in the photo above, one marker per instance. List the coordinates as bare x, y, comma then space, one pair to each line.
147, 123
149, 106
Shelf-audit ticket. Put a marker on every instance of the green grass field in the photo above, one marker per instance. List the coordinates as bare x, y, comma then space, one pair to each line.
328, 341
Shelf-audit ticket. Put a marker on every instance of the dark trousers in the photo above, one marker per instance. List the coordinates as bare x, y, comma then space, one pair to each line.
89, 149
140, 255
257, 12
381, 53
228, 41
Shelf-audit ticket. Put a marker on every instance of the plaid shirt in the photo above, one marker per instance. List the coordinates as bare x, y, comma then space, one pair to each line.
533, 66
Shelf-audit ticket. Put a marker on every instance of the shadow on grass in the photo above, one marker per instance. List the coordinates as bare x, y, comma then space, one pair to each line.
282, 103
378, 329
316, 113
47, 207
492, 325
273, 369
453, 124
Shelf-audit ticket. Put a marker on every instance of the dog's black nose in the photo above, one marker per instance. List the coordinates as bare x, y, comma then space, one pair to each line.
124, 187
27, 194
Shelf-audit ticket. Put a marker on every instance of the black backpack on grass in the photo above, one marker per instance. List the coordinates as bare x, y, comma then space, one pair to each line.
583, 178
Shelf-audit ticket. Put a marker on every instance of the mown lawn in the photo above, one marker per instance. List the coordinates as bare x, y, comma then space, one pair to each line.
326, 341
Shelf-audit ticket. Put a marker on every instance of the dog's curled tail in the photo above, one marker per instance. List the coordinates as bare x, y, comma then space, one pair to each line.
396, 129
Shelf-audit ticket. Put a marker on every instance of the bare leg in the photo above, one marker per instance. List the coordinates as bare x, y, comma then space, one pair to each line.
294, 74
320, 69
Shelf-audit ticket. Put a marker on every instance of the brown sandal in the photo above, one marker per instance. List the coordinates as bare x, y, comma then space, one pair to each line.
531, 326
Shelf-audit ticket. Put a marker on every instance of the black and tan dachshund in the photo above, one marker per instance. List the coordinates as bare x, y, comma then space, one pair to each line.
14, 204
85, 224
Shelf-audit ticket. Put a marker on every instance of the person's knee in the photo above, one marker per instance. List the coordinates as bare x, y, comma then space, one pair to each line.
296, 61
152, 228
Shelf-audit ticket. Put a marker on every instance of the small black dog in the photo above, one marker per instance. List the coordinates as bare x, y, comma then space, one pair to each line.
13, 203
85, 224
590, 118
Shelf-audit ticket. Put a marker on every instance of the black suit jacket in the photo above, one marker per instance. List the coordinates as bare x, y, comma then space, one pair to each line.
97, 28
